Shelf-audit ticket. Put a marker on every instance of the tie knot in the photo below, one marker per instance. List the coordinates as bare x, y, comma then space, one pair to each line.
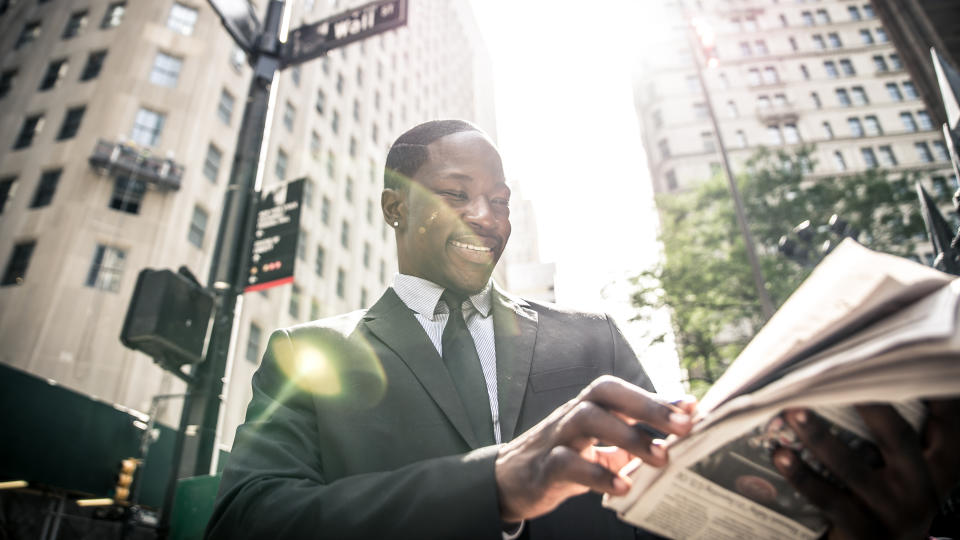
454, 301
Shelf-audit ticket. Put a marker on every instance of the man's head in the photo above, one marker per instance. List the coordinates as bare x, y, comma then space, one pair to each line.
446, 197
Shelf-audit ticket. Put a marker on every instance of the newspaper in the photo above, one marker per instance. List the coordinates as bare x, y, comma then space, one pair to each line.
864, 327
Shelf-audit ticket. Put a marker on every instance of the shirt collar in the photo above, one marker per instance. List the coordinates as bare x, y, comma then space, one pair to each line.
422, 295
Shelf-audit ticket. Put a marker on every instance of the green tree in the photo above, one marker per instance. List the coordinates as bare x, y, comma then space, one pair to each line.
704, 277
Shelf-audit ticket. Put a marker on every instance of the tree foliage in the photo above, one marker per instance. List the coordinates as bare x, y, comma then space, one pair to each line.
705, 278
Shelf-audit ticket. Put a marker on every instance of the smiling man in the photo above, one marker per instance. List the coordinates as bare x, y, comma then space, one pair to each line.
450, 408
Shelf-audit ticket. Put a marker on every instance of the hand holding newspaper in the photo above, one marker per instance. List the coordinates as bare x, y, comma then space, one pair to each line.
864, 327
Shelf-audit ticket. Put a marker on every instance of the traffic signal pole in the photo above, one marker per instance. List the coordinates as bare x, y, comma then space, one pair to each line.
196, 438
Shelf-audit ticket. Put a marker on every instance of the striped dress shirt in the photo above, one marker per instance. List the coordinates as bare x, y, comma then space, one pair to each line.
423, 298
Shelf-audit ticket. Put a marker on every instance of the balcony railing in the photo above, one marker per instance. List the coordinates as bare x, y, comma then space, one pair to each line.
777, 113
123, 158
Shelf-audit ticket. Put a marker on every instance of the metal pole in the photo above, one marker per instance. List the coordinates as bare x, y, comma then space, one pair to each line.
759, 282
198, 421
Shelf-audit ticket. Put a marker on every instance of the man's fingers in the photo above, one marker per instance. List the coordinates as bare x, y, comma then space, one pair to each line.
636, 403
589, 422
840, 508
941, 445
566, 466
833, 453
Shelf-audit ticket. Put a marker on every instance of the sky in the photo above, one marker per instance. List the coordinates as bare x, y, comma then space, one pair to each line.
569, 136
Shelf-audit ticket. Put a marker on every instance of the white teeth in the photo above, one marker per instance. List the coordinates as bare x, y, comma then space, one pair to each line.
469, 246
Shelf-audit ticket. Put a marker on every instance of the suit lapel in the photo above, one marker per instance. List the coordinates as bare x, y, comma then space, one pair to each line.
394, 324
515, 328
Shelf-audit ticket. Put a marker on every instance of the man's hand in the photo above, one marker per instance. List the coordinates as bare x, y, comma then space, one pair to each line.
896, 500
558, 458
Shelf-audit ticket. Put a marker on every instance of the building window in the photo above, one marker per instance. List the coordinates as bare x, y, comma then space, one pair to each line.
76, 23
295, 75
28, 130
770, 75
843, 97
923, 118
664, 147
382, 273
834, 40
321, 101
308, 193
225, 107
818, 42
340, 83
182, 19
923, 152
881, 35
106, 269
869, 157
894, 92
708, 142
375, 133
856, 128
165, 70
761, 46
280, 167
356, 110
815, 97
93, 66
315, 145
325, 210
831, 68
46, 187
353, 147
740, 139
302, 245
6, 81
30, 32
753, 77
847, 67
341, 282
804, 72
335, 122
774, 136
887, 158
211, 163
289, 113
854, 13
940, 150
859, 95
363, 297
827, 130
253, 343
114, 15
909, 123
348, 189
807, 18
55, 72
366, 254
839, 160
147, 127
793, 43
868, 11
369, 212
294, 308
17, 264
7, 184
319, 260
909, 90
314, 310
198, 226
872, 125
732, 111
71, 122
880, 63
783, 21
791, 134
237, 59
127, 194
345, 234
823, 17
895, 62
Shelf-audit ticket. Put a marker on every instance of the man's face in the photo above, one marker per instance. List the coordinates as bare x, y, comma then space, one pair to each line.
457, 218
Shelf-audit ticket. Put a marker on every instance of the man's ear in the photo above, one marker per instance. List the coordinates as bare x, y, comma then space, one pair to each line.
393, 202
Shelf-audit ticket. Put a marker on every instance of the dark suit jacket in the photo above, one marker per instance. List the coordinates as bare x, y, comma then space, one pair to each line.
356, 430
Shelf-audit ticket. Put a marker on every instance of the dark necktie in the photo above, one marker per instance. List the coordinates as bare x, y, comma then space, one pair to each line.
463, 362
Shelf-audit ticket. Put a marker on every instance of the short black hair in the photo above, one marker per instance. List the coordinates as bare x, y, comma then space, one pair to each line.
409, 152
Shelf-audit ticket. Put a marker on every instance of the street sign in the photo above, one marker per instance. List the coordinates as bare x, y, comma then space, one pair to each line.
275, 238
240, 21
313, 40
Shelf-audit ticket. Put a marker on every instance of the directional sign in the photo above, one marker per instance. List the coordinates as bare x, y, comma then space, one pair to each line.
313, 40
275, 238
240, 21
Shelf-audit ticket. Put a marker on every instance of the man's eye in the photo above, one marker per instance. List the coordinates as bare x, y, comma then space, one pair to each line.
457, 195
501, 202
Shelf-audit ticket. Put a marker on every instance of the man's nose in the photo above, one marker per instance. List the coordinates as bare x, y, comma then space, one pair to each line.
479, 213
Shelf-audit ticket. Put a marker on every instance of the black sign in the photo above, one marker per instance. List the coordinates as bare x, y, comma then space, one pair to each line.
240, 21
313, 40
275, 238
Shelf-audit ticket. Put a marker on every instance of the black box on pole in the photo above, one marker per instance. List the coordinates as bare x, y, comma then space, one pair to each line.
168, 318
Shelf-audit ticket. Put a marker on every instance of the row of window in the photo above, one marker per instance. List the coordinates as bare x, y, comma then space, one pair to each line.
75, 24
105, 273
809, 18
33, 125
56, 72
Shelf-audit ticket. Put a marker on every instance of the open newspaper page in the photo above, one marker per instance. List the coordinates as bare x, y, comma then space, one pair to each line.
721, 482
